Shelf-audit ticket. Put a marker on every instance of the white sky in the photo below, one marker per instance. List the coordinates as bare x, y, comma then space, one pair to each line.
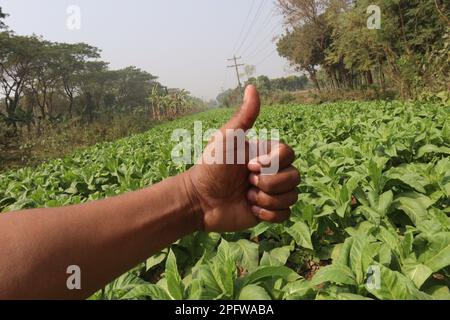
183, 42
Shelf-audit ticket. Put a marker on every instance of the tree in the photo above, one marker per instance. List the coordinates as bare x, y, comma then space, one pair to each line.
71, 67
93, 80
17, 55
133, 86
292, 83
2, 16
44, 77
409, 52
263, 84
229, 98
302, 47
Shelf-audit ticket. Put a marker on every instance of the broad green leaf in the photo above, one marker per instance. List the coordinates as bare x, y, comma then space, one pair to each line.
360, 195
372, 215
299, 289
271, 272
260, 229
210, 288
431, 148
351, 297
254, 292
175, 286
356, 257
417, 272
392, 285
411, 179
301, 234
155, 260
121, 286
414, 206
361, 256
223, 268
390, 238
430, 227
437, 255
246, 253
335, 273
385, 255
343, 254
375, 169
384, 202
195, 290
147, 291
439, 292
363, 229
276, 257
446, 131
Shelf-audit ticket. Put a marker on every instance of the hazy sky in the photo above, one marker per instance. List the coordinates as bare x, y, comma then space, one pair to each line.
184, 42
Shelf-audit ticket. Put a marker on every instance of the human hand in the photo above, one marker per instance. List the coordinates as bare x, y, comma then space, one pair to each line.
237, 196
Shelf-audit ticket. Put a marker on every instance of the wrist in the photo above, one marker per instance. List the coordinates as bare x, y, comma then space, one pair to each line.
193, 207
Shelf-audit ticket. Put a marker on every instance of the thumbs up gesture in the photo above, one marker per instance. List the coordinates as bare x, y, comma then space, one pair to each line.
236, 194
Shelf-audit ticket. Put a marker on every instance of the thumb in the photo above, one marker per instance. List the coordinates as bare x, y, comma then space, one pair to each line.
246, 116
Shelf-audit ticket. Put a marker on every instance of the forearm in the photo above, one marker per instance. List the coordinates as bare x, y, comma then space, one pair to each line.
104, 238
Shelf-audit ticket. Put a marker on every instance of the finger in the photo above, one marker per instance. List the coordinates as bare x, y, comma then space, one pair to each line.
281, 155
247, 114
277, 216
272, 202
286, 180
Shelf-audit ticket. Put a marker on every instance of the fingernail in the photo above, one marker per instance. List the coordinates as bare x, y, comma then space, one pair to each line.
264, 160
252, 196
254, 179
256, 210
254, 164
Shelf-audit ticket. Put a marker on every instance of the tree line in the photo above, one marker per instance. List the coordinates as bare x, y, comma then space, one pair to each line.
331, 42
267, 88
47, 82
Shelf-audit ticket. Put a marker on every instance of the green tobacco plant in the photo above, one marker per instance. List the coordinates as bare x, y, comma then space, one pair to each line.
372, 220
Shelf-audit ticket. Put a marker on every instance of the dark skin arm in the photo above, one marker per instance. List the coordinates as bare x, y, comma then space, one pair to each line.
108, 237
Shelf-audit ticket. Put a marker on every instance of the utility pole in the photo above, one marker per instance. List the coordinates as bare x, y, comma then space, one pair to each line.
236, 65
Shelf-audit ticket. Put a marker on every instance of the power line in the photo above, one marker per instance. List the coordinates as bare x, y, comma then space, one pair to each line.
263, 45
264, 24
244, 26
266, 57
258, 13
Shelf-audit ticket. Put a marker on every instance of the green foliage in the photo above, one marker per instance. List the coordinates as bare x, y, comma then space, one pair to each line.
331, 41
47, 84
271, 91
2, 16
267, 86
374, 203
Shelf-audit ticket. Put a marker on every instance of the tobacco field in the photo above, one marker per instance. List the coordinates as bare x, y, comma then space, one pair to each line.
372, 220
